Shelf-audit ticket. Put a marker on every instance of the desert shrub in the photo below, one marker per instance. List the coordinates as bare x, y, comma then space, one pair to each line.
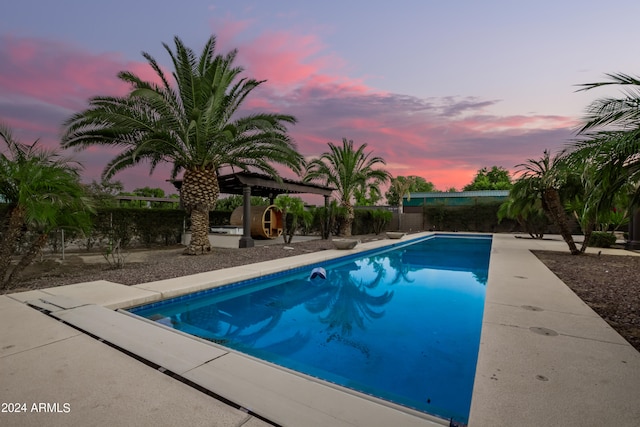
381, 218
325, 220
321, 221
602, 239
370, 221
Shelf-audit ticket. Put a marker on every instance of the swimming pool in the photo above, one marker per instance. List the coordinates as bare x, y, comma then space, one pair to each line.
402, 324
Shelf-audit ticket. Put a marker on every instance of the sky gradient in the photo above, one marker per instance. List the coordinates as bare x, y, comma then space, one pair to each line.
438, 89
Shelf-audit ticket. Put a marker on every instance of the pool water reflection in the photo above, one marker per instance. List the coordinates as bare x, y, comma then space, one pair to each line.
402, 324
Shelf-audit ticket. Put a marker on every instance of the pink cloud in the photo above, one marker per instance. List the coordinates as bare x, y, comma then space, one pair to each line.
444, 140
30, 130
287, 60
43, 82
492, 123
228, 29
61, 74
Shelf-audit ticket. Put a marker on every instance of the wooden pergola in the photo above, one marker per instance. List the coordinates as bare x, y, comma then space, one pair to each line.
250, 184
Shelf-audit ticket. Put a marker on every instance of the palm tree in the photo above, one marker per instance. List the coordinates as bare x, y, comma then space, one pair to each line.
402, 185
348, 170
546, 177
418, 184
43, 192
195, 126
525, 206
293, 214
613, 114
610, 142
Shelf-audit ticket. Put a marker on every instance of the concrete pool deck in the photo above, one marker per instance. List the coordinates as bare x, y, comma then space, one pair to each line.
545, 359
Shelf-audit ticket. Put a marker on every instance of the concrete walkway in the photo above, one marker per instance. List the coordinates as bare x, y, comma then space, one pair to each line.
546, 359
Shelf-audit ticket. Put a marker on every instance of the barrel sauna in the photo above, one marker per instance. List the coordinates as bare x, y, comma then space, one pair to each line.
266, 221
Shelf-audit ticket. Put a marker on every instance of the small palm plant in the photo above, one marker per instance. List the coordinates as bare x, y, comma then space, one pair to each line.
525, 206
545, 178
293, 215
43, 192
348, 169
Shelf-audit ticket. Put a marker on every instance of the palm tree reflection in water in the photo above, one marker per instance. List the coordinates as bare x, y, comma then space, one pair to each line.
342, 301
347, 302
240, 322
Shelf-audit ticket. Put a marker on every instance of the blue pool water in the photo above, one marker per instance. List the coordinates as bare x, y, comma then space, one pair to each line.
402, 324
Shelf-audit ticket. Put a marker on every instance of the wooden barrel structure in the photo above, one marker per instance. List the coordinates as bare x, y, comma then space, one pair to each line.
266, 221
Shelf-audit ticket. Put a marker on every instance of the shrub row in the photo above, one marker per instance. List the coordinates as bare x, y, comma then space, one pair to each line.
164, 226
478, 218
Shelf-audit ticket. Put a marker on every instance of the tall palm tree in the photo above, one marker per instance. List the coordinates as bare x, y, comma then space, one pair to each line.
43, 192
194, 126
349, 170
546, 178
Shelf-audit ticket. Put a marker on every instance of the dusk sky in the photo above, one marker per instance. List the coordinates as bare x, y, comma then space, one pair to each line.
438, 89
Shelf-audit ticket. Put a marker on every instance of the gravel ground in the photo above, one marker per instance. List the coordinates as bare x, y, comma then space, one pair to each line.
609, 284
160, 263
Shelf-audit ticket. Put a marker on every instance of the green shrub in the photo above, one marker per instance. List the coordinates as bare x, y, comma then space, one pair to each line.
381, 219
601, 239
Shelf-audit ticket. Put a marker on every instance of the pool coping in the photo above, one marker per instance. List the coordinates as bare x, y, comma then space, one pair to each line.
525, 374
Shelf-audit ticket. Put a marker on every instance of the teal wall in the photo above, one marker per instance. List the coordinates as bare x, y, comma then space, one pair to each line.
463, 198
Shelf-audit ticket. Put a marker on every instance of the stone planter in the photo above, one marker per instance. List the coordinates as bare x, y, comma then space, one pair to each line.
345, 243
395, 234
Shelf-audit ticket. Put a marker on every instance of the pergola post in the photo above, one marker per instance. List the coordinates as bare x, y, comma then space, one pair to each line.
246, 241
326, 234
633, 242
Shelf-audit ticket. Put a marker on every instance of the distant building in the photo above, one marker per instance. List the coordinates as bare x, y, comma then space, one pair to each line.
416, 201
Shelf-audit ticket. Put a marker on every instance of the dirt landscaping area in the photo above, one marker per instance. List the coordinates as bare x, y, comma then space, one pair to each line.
609, 284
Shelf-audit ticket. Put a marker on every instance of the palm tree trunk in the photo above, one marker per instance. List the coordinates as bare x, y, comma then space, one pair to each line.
199, 194
26, 259
10, 236
199, 243
587, 235
345, 227
556, 213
